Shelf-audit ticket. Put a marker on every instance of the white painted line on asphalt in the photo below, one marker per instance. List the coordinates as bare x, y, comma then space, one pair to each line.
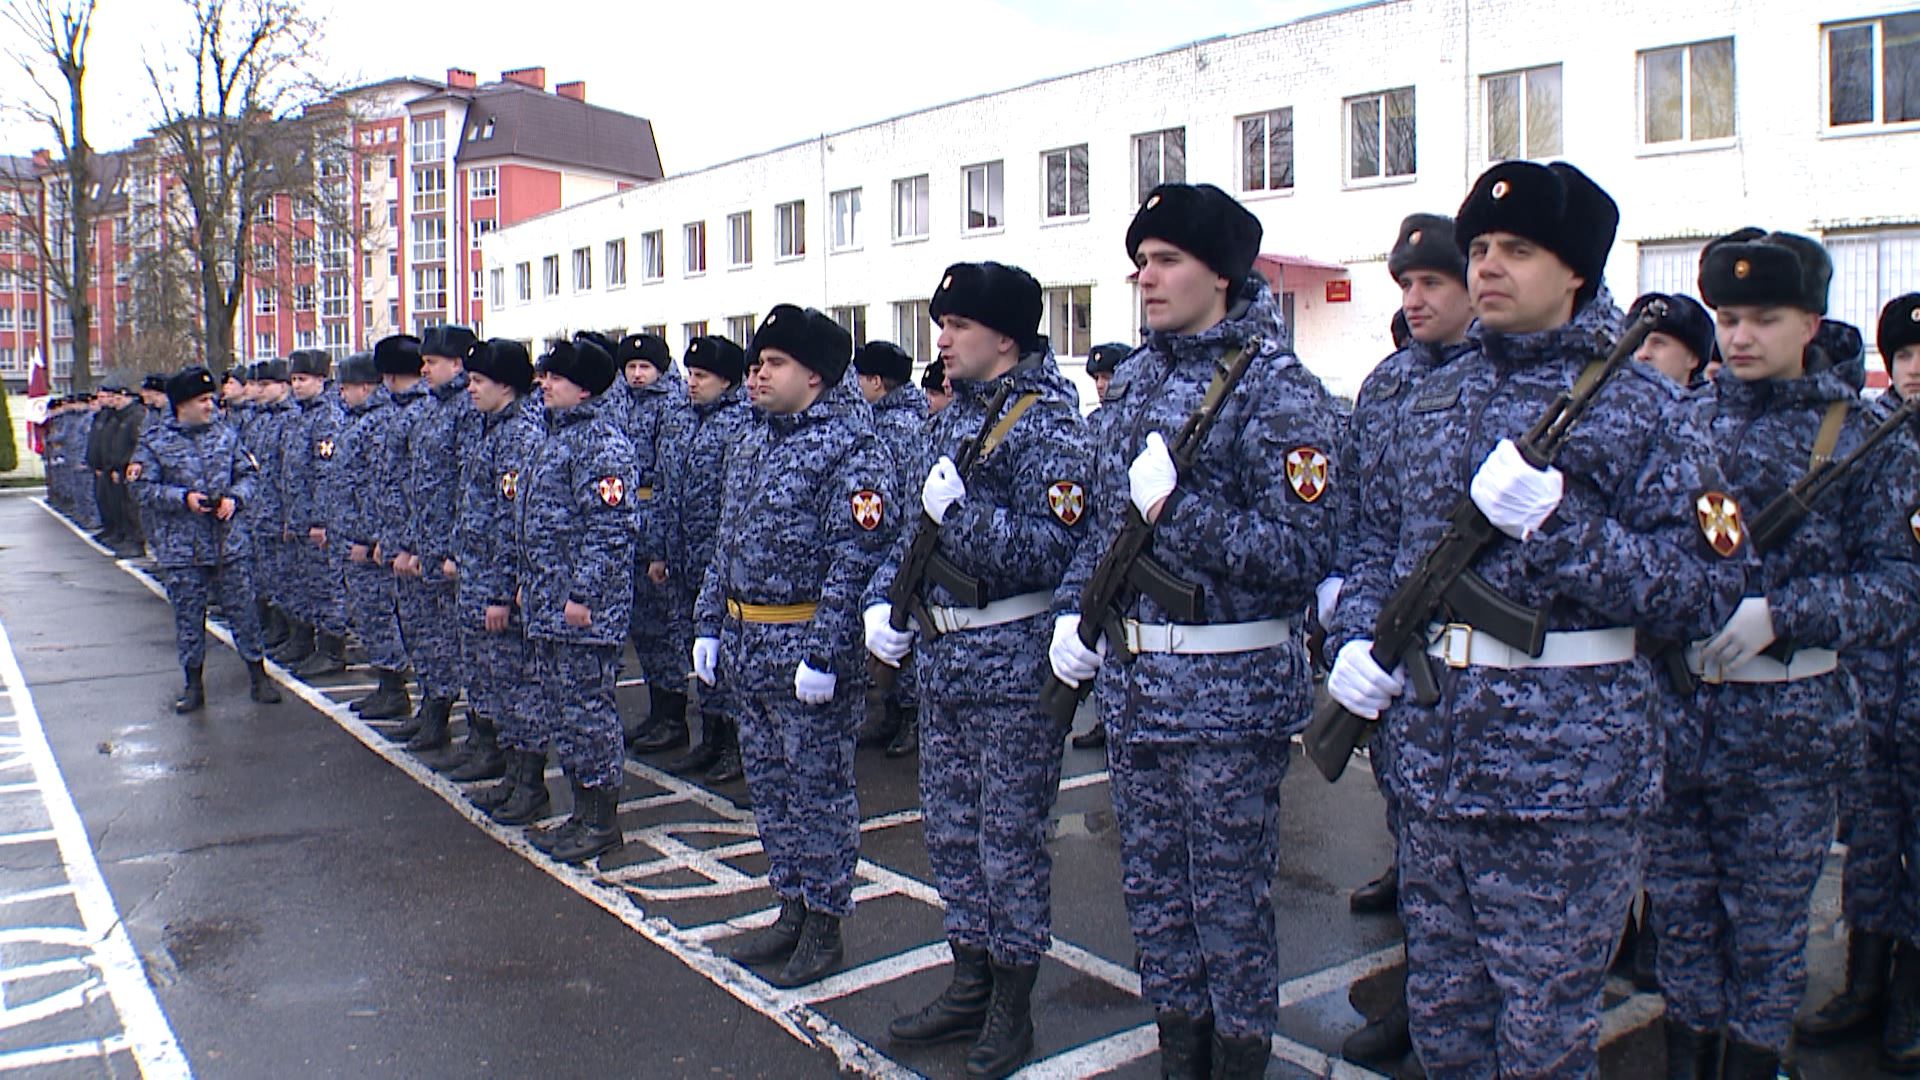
34, 895
877, 973
42, 1056
888, 821
149, 1036
38, 836
1099, 1056
1339, 977
1075, 783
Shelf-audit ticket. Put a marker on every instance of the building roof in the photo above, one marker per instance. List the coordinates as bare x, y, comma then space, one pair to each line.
508, 120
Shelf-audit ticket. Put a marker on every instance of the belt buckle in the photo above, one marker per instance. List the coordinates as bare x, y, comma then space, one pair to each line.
1132, 627
1460, 655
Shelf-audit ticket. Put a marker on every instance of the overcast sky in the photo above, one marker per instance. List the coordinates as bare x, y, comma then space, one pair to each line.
719, 78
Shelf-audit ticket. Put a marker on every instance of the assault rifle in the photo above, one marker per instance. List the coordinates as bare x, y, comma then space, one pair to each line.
1445, 579
1126, 566
923, 562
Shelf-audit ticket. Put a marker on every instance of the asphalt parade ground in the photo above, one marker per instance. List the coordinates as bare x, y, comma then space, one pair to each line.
269, 890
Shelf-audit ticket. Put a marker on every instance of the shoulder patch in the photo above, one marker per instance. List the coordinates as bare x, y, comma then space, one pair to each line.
324, 450
869, 509
611, 489
510, 484
1720, 522
133, 471
1307, 473
1068, 501
1913, 523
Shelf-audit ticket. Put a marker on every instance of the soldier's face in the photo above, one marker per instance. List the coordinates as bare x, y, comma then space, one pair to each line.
355, 394
1519, 287
1437, 307
273, 390
1668, 356
974, 350
565, 393
1181, 294
704, 386
939, 398
1765, 342
873, 388
439, 370
1100, 384
640, 373
786, 385
308, 387
1906, 372
488, 396
196, 412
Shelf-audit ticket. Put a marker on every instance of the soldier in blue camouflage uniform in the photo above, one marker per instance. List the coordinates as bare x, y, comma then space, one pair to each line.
507, 736
808, 517
651, 408
196, 481
437, 431
408, 394
308, 441
1680, 345
687, 510
575, 523
990, 756
1198, 722
885, 376
272, 404
1753, 760
1880, 803
1103, 363
933, 382
1427, 265
1522, 789
353, 494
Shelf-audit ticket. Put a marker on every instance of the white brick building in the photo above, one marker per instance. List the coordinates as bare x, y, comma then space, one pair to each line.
1698, 118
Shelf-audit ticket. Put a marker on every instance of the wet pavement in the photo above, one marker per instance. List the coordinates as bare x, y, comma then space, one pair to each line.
302, 895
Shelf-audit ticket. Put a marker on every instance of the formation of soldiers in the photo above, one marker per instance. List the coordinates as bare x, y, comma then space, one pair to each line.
785, 530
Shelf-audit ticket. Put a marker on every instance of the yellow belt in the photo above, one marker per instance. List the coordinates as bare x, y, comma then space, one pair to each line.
771, 613
643, 493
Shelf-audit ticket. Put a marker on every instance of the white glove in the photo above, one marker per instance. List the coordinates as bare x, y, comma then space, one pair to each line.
1515, 496
942, 489
1749, 630
1326, 597
812, 687
883, 641
1358, 683
706, 656
1152, 476
1073, 662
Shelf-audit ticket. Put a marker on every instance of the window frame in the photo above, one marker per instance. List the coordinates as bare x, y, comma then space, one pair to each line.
1047, 216
1524, 99
920, 189
1160, 146
653, 264
690, 248
989, 170
740, 240
790, 231
492, 173
581, 275
1382, 178
614, 255
1266, 117
1878, 124
1686, 143
847, 204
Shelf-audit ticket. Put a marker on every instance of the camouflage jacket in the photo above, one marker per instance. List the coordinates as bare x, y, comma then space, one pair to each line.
575, 526
172, 460
490, 490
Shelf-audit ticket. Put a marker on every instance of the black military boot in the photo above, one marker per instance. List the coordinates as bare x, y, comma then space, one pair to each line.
194, 697
907, 739
433, 726
298, 647
599, 830
817, 955
961, 1009
529, 799
329, 657
1900, 1041
1744, 1061
1093, 738
1242, 1057
666, 726
1186, 1046
776, 942
1377, 897
727, 768
1691, 1055
260, 685
1382, 1041
1006, 1038
483, 759
702, 757
273, 624
389, 701
493, 795
553, 836
879, 727
1646, 954
1862, 1003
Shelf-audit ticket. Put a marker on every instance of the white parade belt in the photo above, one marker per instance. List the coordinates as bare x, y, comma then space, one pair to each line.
1803, 664
948, 620
1462, 646
1206, 638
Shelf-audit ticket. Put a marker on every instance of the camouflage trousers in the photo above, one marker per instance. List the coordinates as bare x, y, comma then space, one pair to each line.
429, 627
574, 695
269, 580
1510, 928
315, 591
1199, 847
188, 590
989, 774
799, 765
372, 614
500, 685
1880, 824
662, 636
1731, 870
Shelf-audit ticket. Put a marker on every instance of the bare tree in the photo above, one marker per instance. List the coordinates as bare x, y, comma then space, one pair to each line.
50, 46
226, 105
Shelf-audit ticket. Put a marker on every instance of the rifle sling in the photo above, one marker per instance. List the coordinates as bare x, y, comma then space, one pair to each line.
999, 433
1829, 437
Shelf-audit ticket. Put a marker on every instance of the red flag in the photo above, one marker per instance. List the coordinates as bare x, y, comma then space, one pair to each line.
38, 389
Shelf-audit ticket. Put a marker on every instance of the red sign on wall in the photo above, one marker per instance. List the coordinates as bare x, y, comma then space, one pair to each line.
1339, 291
